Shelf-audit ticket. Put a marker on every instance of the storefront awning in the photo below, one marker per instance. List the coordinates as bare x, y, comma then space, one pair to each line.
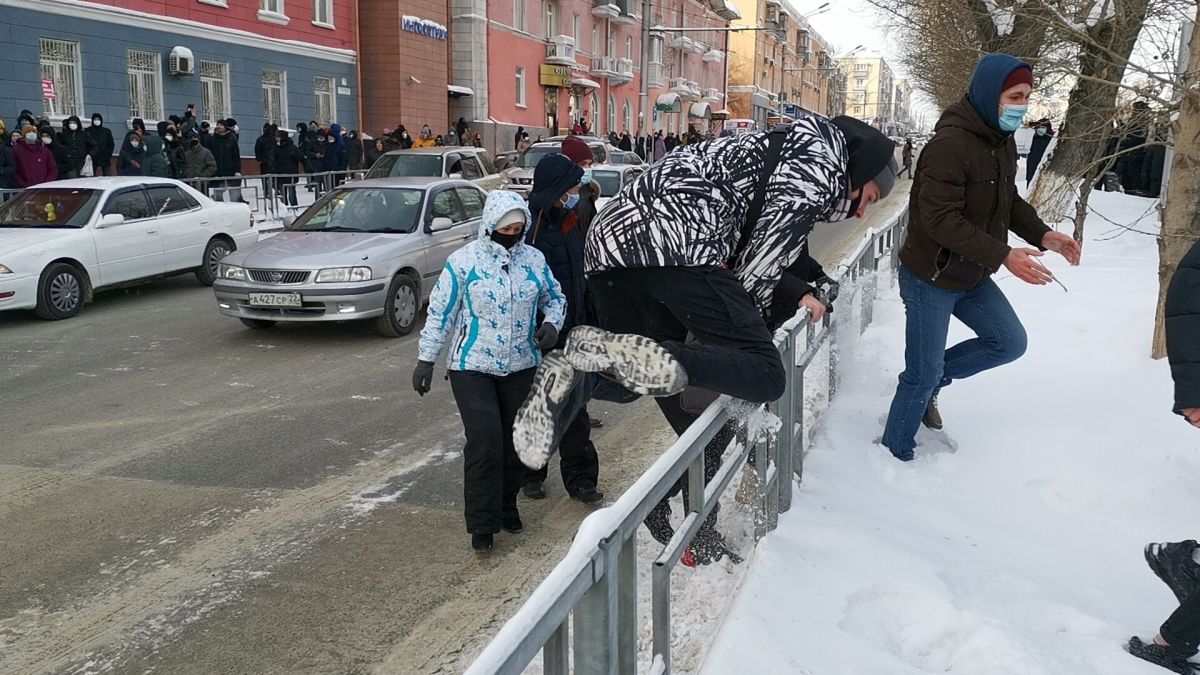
456, 90
700, 110
584, 83
668, 103
721, 114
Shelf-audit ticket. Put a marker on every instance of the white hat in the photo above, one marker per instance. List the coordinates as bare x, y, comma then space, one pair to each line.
514, 217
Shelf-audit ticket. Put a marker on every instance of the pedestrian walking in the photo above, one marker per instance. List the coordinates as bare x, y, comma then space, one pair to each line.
1043, 132
660, 146
906, 156
964, 203
1177, 563
556, 232
492, 288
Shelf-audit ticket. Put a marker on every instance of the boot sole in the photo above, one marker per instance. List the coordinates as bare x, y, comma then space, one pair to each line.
534, 435
640, 364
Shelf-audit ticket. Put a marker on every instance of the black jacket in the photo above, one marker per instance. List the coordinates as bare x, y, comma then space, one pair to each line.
62, 158
354, 151
8, 166
225, 151
557, 233
1037, 149
287, 159
1183, 330
76, 143
102, 142
797, 281
264, 147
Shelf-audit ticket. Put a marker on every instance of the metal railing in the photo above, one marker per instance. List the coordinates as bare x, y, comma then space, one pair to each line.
587, 606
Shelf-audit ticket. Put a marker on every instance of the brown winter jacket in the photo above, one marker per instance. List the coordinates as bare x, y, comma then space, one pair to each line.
964, 202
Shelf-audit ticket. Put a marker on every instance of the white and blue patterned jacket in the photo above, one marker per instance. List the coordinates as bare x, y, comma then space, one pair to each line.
487, 300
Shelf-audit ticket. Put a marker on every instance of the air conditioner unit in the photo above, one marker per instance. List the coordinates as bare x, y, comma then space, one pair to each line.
181, 61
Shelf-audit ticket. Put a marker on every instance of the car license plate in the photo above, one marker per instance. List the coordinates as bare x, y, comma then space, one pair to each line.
275, 299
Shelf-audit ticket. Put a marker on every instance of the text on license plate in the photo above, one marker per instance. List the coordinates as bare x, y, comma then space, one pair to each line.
275, 299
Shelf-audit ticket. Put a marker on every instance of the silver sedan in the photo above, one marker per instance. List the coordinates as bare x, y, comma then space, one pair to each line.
368, 250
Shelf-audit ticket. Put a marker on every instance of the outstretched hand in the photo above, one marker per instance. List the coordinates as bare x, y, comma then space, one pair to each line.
1024, 266
1192, 415
1064, 245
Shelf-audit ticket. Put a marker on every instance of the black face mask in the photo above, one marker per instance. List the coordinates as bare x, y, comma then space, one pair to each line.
507, 240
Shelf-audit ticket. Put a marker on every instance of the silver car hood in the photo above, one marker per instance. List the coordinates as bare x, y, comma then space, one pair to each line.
315, 250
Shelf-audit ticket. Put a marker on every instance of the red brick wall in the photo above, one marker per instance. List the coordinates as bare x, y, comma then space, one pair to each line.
391, 56
243, 15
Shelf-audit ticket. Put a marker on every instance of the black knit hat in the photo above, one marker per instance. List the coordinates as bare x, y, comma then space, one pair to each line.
872, 155
552, 177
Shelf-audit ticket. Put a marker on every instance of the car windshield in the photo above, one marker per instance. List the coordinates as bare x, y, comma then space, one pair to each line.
50, 207
533, 155
363, 210
390, 166
610, 182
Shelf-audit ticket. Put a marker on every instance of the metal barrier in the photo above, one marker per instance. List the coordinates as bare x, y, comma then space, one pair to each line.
586, 608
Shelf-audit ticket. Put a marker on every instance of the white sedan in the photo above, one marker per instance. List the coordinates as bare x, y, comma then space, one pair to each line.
60, 241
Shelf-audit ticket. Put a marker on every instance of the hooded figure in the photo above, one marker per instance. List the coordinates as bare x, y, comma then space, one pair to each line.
103, 145
963, 205
660, 146
62, 159
130, 161
335, 150
154, 163
486, 306
198, 161
76, 144
8, 166
1043, 133
176, 151
354, 151
263, 147
286, 159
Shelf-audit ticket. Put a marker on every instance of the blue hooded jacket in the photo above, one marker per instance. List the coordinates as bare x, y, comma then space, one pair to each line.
488, 298
987, 84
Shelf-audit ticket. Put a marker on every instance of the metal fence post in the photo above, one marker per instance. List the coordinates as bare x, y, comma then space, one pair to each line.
801, 428
627, 606
556, 652
595, 622
660, 611
786, 409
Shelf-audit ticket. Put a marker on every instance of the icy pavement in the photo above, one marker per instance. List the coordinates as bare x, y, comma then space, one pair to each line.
1013, 544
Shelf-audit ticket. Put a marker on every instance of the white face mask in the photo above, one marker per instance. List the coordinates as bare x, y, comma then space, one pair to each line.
31, 138
135, 144
169, 138
73, 127
95, 123
46, 140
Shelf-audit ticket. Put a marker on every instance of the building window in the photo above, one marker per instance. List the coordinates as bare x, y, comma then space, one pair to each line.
274, 89
145, 84
629, 47
62, 67
326, 102
860, 83
214, 91
575, 29
323, 13
656, 49
548, 18
628, 115
520, 86
273, 6
519, 14
862, 66
594, 102
595, 41
612, 113
271, 11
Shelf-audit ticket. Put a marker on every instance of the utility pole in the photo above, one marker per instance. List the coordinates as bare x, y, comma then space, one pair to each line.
644, 95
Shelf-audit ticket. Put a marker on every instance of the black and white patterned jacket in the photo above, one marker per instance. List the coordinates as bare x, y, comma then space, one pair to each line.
688, 209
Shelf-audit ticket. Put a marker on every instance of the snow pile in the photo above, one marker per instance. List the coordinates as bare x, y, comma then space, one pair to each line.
1013, 544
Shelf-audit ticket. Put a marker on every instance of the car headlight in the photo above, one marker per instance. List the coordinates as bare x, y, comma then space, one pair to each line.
5, 270
231, 272
335, 274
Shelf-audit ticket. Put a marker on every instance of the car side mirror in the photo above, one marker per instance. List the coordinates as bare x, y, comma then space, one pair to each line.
456, 174
440, 224
111, 219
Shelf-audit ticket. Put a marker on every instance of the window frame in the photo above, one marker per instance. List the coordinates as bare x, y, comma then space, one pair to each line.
222, 82
549, 19
475, 192
462, 212
327, 5
180, 194
520, 85
612, 112
629, 47
155, 75
76, 81
575, 29
519, 22
332, 100
121, 193
282, 123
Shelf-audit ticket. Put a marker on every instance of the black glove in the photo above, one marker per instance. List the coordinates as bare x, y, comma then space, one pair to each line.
826, 291
546, 336
422, 377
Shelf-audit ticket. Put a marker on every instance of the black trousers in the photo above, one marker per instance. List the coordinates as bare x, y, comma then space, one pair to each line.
733, 353
491, 469
577, 461
1182, 629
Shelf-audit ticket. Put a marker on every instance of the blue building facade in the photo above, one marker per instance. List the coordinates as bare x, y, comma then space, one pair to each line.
59, 58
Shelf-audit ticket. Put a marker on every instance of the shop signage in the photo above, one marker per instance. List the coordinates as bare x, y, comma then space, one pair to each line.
555, 76
433, 29
48, 90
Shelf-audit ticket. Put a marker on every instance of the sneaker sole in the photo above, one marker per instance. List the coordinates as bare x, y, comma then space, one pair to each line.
640, 364
534, 435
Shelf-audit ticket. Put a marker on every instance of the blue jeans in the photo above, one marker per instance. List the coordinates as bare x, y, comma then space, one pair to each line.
928, 365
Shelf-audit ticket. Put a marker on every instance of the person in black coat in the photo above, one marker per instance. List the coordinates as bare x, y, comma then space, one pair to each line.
517, 138
103, 146
129, 162
8, 166
626, 143
62, 158
229, 160
640, 147
354, 151
1176, 563
264, 146
556, 233
1043, 131
286, 159
76, 144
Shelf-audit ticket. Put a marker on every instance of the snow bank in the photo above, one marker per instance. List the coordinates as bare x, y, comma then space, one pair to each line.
1014, 543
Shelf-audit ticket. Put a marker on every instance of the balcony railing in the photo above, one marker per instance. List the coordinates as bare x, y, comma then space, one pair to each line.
561, 50
603, 66
654, 74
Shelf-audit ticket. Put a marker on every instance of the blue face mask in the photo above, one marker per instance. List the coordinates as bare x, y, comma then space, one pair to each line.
1012, 116
572, 200
587, 177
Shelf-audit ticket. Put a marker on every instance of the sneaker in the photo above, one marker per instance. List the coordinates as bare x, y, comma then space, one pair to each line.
552, 403
481, 543
637, 362
1162, 656
932, 418
511, 524
535, 490
586, 493
1174, 564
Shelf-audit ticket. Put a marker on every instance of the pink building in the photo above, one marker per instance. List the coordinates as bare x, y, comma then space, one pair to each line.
549, 64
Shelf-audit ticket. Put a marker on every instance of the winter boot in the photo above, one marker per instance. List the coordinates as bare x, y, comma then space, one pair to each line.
481, 543
1174, 564
511, 524
607, 389
932, 418
637, 362
553, 402
709, 546
586, 492
1162, 656
535, 489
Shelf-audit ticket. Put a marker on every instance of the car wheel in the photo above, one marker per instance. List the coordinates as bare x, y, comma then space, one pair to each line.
217, 249
60, 292
259, 324
400, 307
